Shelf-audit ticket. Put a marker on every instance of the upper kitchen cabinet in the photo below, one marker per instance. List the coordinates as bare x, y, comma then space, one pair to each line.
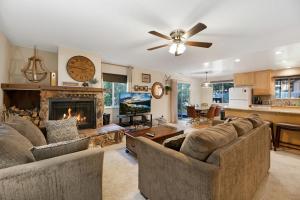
264, 84
244, 79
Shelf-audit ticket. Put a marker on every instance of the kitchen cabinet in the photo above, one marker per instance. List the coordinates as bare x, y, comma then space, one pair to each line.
244, 79
264, 84
261, 81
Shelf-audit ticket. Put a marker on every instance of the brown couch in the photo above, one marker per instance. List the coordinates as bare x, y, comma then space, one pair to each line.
233, 171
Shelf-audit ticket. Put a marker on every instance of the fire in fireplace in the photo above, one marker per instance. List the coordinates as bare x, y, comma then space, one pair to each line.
81, 118
83, 109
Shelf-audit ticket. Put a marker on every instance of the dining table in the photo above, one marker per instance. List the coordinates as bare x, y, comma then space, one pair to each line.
201, 109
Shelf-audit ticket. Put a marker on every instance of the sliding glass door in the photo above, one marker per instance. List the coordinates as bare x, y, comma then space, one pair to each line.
183, 99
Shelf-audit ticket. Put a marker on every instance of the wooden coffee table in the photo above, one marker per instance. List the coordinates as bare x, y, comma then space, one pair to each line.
161, 133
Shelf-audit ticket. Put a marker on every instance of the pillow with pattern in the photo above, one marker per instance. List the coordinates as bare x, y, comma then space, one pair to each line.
61, 130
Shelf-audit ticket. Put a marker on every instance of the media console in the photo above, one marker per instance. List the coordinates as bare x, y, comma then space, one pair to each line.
144, 119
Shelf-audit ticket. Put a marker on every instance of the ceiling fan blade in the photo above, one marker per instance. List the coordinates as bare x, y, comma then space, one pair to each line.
196, 29
153, 48
198, 44
160, 35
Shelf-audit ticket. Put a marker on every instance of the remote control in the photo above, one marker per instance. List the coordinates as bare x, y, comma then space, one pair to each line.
150, 134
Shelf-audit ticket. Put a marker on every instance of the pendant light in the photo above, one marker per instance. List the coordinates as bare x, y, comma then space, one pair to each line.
206, 83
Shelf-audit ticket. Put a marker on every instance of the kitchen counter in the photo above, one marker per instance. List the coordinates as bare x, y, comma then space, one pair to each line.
275, 114
272, 109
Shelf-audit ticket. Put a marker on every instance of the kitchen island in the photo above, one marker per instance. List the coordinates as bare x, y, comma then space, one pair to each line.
275, 114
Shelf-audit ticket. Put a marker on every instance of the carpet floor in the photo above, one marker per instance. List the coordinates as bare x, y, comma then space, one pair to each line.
120, 178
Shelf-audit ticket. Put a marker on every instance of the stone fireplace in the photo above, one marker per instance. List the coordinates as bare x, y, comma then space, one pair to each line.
84, 109
57, 102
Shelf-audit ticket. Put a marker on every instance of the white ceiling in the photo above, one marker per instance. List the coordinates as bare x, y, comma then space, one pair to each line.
251, 30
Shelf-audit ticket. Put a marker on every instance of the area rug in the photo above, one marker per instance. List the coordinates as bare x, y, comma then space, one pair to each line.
120, 178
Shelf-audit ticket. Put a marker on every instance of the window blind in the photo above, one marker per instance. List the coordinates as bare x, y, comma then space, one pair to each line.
117, 78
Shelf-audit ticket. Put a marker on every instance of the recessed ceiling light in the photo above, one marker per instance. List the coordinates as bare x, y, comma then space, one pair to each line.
206, 64
288, 67
237, 60
278, 52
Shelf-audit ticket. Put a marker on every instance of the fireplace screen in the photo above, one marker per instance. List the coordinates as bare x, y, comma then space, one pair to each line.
84, 109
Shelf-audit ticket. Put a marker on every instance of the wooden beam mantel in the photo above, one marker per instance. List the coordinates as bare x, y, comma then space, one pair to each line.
9, 86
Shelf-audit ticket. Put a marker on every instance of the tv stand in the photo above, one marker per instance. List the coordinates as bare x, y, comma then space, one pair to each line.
144, 119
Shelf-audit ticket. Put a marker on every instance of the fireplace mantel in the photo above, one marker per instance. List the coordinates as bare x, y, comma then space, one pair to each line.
12, 86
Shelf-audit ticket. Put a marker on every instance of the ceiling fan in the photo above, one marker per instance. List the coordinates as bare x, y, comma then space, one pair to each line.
179, 39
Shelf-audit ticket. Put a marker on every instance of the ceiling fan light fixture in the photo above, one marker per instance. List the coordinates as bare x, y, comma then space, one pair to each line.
177, 48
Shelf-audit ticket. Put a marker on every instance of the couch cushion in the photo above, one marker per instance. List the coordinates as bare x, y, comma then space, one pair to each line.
60, 148
28, 130
14, 148
201, 143
242, 126
175, 142
255, 120
61, 130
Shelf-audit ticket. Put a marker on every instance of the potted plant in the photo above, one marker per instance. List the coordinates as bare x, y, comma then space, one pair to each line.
93, 81
167, 89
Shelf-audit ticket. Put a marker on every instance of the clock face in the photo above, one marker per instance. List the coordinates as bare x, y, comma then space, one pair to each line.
81, 68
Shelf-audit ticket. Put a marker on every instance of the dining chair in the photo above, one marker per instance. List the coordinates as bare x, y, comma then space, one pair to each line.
209, 116
192, 113
218, 111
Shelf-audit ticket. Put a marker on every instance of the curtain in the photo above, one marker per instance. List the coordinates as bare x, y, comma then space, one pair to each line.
174, 109
129, 78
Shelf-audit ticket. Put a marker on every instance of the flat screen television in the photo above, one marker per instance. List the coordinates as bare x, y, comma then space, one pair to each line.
134, 103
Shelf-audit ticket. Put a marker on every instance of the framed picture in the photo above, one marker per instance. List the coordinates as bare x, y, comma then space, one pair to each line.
136, 88
145, 89
146, 78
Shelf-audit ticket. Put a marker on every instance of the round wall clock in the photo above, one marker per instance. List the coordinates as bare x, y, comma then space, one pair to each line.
81, 68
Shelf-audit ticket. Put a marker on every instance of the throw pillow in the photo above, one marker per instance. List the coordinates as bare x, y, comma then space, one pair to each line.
28, 130
174, 142
201, 143
242, 126
60, 148
255, 120
61, 130
14, 148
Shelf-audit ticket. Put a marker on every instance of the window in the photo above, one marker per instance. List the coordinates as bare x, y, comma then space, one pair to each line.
114, 84
183, 98
111, 96
287, 88
221, 91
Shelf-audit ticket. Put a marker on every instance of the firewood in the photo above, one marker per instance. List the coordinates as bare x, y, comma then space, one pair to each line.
34, 114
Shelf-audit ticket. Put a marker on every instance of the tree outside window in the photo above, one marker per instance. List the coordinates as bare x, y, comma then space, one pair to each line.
113, 90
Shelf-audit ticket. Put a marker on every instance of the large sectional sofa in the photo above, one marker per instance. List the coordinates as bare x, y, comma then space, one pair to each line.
231, 171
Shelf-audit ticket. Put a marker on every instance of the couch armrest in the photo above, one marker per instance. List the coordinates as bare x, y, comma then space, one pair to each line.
168, 174
73, 176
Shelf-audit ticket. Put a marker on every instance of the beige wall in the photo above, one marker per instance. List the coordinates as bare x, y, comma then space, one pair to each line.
20, 57
159, 107
5, 55
64, 54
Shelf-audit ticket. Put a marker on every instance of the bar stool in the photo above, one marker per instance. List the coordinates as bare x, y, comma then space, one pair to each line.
285, 126
270, 123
